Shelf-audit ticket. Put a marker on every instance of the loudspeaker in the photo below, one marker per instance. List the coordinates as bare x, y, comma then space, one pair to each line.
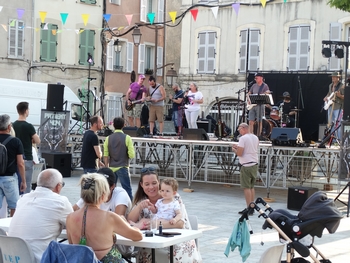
346, 107
286, 136
205, 124
344, 160
298, 195
195, 134
131, 131
168, 128
54, 100
60, 161
321, 129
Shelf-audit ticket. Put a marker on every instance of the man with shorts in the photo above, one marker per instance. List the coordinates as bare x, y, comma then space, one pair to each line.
256, 112
247, 152
157, 96
8, 180
136, 92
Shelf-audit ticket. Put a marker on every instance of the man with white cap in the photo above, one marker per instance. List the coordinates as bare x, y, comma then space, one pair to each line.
135, 95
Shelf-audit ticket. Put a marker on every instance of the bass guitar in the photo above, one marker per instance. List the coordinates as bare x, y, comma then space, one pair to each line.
220, 125
329, 101
130, 106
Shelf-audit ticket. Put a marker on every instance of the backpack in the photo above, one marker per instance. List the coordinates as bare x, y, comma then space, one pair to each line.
3, 155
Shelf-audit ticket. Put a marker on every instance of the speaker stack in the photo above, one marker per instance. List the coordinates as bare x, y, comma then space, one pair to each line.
54, 101
286, 136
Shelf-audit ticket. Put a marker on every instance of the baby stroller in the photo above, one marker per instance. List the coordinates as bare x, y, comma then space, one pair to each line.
317, 213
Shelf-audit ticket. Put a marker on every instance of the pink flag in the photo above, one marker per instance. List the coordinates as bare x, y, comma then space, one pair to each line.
129, 18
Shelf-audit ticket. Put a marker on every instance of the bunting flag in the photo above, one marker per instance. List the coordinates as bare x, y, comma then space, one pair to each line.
285, 1
20, 13
263, 2
107, 17
64, 17
59, 31
81, 31
4, 27
86, 18
194, 13
0, 8
236, 7
13, 22
215, 11
120, 28
36, 29
46, 27
128, 18
54, 32
42, 15
151, 17
76, 31
173, 16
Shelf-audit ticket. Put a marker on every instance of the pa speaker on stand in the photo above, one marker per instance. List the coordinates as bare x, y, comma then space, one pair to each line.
54, 101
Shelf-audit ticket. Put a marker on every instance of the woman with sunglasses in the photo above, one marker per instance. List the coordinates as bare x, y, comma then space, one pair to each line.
145, 198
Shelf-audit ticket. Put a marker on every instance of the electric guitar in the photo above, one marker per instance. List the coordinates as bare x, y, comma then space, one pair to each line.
130, 106
220, 125
329, 101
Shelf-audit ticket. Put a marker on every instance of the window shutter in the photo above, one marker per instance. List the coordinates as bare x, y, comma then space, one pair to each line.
201, 52
334, 34
211, 40
143, 8
160, 16
12, 44
141, 66
243, 50
110, 51
44, 45
159, 61
86, 45
52, 44
254, 42
130, 54
293, 48
20, 39
304, 48
90, 2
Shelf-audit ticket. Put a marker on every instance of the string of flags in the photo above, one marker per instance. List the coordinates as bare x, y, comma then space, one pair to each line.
107, 17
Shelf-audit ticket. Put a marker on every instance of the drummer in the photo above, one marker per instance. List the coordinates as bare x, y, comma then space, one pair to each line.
286, 110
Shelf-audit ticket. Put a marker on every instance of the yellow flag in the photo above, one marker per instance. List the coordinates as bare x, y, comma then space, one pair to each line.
81, 31
42, 16
54, 32
85, 18
172, 15
263, 2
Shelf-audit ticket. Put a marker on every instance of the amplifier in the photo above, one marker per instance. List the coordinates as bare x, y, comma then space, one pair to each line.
298, 195
60, 161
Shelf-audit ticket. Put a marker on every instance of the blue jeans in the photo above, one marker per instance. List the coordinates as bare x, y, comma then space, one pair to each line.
124, 176
336, 118
9, 190
90, 170
29, 174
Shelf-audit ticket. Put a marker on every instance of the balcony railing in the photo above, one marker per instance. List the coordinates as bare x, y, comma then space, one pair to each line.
118, 68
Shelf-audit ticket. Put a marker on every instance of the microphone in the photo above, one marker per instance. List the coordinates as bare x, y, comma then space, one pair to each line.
251, 83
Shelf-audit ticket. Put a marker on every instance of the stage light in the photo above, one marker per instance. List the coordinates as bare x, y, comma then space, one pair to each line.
339, 52
326, 52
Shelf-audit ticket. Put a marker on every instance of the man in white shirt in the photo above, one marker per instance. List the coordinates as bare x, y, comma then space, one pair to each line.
41, 214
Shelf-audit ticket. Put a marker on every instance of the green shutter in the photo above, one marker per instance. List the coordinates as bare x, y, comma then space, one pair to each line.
90, 2
87, 45
48, 43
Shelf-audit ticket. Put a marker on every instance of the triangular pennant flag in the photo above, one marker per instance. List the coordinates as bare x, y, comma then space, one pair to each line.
173, 16
59, 31
76, 31
13, 22
46, 27
36, 29
20, 13
236, 7
0, 8
64, 17
54, 32
42, 16
120, 28
81, 31
85, 18
263, 2
128, 18
4, 26
215, 11
107, 17
285, 1
194, 13
151, 17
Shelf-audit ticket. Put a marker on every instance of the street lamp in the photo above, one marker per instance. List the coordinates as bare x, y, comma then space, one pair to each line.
136, 35
171, 77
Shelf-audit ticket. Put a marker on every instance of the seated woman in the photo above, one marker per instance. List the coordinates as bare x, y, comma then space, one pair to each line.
145, 198
94, 227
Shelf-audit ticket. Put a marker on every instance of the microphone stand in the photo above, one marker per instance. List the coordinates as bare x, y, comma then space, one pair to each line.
300, 100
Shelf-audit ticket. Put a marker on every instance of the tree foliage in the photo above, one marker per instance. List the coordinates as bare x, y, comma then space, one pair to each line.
340, 4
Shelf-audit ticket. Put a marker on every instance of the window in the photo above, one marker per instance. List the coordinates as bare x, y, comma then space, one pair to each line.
86, 45
146, 59
48, 43
16, 39
115, 57
152, 6
129, 56
206, 52
334, 34
249, 50
159, 61
299, 47
90, 2
116, 2
141, 66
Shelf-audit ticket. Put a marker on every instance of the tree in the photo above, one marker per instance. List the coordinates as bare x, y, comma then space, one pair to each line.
340, 4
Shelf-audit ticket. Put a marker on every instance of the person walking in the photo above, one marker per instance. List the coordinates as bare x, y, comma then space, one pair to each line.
247, 152
91, 153
26, 133
118, 149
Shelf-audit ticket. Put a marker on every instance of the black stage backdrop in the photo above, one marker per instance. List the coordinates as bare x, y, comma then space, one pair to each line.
307, 91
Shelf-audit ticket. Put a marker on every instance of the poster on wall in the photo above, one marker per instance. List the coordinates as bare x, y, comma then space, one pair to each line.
344, 160
53, 130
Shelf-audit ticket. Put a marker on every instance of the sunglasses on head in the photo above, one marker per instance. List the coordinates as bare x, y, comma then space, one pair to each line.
147, 170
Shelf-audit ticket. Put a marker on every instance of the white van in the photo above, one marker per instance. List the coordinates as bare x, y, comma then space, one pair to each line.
14, 91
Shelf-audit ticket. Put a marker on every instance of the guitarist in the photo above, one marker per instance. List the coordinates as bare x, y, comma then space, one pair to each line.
137, 91
256, 113
336, 94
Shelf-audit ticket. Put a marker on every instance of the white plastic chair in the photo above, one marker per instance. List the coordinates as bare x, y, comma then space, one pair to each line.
194, 225
17, 248
272, 255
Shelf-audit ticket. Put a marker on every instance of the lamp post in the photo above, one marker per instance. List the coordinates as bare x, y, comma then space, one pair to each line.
136, 35
171, 75
90, 61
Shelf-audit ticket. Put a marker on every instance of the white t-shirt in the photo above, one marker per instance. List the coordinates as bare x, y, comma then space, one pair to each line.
194, 106
39, 218
119, 197
167, 211
250, 143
